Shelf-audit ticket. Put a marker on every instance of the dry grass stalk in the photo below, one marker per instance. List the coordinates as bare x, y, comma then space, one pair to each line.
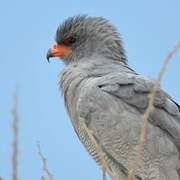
15, 141
104, 175
43, 178
44, 162
146, 115
99, 151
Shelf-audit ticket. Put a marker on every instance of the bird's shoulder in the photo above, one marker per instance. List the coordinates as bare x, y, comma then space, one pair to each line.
130, 88
127, 94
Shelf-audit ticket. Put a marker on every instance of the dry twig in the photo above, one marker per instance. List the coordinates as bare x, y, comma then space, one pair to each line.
44, 162
43, 178
99, 151
15, 142
146, 115
104, 175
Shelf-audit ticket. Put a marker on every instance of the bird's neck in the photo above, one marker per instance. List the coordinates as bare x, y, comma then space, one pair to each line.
98, 65
113, 53
90, 67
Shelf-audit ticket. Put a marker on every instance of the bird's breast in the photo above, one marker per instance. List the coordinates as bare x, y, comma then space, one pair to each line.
72, 82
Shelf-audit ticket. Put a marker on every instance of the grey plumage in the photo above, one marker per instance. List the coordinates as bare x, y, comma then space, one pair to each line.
101, 90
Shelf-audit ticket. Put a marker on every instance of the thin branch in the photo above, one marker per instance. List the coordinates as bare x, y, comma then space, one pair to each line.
104, 175
44, 162
15, 141
146, 115
43, 178
99, 151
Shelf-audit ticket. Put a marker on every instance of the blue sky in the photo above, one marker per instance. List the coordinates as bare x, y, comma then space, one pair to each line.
149, 29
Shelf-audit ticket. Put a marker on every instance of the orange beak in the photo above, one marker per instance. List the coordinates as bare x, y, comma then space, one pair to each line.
58, 50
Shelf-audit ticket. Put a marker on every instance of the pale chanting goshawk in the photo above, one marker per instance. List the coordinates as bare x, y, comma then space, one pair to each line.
102, 91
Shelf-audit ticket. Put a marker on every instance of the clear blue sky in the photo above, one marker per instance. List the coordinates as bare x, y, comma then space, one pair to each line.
149, 29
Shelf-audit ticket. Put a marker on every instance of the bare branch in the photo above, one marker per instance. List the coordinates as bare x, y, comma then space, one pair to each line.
15, 141
99, 151
44, 162
104, 175
146, 115
43, 178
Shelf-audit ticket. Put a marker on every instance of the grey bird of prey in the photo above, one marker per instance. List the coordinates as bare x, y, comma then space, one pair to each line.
102, 91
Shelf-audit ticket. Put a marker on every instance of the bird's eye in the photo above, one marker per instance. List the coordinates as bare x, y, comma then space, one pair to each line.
70, 40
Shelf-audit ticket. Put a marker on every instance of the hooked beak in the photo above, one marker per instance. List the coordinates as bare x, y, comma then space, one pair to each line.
49, 54
57, 50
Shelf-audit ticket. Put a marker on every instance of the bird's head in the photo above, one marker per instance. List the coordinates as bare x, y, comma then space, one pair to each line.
83, 36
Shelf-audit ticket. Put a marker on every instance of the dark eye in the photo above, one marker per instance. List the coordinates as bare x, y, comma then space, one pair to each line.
70, 40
